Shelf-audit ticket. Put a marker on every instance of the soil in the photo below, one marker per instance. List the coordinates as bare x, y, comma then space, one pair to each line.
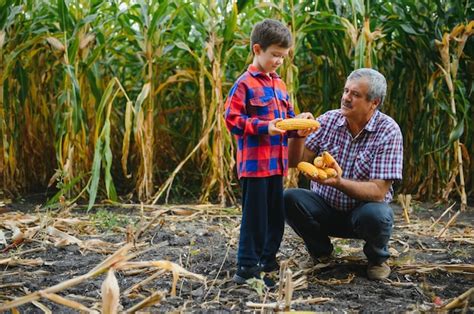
203, 239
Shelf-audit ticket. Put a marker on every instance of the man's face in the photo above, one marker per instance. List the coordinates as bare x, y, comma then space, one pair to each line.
270, 59
354, 103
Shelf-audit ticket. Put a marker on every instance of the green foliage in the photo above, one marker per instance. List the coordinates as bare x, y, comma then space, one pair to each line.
258, 285
116, 94
107, 220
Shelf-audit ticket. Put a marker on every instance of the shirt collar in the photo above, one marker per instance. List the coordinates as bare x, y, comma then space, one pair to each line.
254, 71
369, 127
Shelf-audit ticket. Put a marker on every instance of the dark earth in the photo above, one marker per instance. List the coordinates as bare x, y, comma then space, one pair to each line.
202, 239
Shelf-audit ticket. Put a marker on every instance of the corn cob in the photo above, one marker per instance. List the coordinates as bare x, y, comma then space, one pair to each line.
311, 170
308, 168
321, 173
330, 162
297, 124
318, 162
331, 172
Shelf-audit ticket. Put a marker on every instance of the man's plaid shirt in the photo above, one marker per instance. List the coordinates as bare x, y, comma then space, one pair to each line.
376, 153
253, 101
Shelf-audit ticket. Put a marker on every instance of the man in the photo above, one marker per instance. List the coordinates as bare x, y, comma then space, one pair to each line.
368, 145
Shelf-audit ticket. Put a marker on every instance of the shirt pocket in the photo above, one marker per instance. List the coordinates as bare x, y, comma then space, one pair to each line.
262, 109
363, 165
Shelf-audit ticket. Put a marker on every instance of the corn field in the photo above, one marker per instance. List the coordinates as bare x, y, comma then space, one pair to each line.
123, 99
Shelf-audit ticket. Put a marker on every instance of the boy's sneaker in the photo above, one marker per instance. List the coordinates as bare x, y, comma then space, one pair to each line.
270, 267
378, 271
244, 273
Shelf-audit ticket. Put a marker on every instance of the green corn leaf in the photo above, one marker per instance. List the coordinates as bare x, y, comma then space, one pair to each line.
456, 133
95, 175
109, 183
64, 18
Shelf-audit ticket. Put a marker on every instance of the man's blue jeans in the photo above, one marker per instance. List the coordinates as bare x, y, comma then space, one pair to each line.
315, 221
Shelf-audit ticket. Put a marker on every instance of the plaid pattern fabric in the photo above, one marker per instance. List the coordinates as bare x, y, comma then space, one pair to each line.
375, 153
253, 101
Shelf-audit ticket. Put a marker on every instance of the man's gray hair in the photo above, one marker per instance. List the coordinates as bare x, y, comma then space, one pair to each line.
376, 81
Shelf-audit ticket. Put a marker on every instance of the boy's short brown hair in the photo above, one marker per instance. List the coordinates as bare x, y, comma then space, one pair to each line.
270, 32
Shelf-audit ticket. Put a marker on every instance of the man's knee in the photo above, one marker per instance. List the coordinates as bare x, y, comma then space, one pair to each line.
295, 211
290, 198
374, 217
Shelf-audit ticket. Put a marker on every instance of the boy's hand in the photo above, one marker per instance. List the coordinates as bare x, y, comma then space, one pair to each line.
273, 130
306, 132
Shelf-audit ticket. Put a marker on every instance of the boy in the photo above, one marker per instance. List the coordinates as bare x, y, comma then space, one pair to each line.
255, 103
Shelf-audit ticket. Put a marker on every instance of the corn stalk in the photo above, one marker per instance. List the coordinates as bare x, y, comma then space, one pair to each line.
449, 67
361, 42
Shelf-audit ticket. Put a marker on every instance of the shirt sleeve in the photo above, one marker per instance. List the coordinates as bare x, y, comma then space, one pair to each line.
237, 120
291, 114
388, 160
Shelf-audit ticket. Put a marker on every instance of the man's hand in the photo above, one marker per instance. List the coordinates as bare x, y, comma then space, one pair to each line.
368, 191
333, 181
306, 132
273, 130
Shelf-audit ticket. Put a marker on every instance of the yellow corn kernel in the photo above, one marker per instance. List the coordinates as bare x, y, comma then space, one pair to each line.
318, 162
312, 171
307, 168
322, 173
331, 172
330, 162
297, 124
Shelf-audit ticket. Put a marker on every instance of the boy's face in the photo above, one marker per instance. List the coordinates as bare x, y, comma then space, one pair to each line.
269, 60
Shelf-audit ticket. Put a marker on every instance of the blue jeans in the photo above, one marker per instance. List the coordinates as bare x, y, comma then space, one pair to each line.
315, 221
263, 220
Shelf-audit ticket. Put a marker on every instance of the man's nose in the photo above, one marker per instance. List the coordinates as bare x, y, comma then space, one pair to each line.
346, 96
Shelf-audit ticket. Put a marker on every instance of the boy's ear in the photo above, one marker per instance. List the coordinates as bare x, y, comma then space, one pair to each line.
257, 49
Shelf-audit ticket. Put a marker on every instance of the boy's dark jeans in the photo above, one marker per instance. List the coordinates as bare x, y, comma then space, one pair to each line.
314, 220
263, 220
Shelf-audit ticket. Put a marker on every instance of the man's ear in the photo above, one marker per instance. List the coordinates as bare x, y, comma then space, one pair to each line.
376, 102
257, 49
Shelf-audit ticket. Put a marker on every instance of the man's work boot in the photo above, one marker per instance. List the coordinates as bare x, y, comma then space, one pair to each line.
311, 261
378, 272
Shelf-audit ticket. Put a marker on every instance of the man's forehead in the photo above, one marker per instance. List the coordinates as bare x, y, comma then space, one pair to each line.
359, 84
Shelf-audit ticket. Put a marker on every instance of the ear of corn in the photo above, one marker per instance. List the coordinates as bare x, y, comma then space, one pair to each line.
297, 124
308, 168
331, 172
321, 173
318, 162
330, 162
312, 171
328, 165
